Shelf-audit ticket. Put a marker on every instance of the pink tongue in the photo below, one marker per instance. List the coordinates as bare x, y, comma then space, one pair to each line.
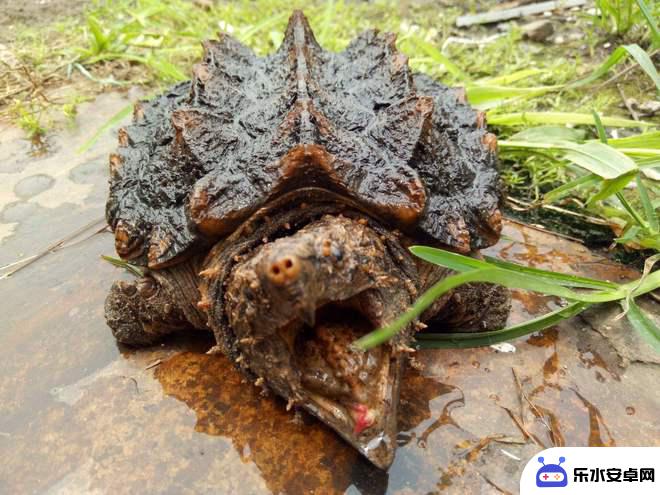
363, 418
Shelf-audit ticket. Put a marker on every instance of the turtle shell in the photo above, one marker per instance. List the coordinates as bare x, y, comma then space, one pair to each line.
204, 156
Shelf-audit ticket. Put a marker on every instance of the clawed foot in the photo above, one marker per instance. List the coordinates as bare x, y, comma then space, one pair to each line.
140, 312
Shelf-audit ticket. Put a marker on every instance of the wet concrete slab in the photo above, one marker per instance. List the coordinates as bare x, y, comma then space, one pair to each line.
46, 192
81, 414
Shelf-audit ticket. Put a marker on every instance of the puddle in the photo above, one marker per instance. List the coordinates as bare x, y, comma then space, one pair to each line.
78, 414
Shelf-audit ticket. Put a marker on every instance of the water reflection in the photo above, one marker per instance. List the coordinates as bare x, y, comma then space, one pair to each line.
296, 453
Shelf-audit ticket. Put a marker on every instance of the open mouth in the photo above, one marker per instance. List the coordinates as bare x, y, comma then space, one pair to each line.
353, 391
294, 305
345, 382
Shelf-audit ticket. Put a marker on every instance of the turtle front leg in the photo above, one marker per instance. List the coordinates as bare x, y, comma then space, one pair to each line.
141, 311
475, 307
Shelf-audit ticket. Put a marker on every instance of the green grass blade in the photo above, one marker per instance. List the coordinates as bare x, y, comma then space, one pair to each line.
631, 211
512, 77
612, 186
440, 58
113, 121
384, 334
481, 339
99, 40
564, 189
485, 96
646, 328
596, 157
555, 118
454, 261
461, 263
550, 134
644, 62
498, 276
650, 20
166, 70
560, 278
648, 283
640, 56
135, 270
648, 140
649, 211
600, 128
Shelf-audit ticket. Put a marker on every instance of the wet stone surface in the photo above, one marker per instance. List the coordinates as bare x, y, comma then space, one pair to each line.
80, 414
46, 195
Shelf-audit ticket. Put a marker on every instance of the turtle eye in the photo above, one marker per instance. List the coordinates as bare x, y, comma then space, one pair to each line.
146, 287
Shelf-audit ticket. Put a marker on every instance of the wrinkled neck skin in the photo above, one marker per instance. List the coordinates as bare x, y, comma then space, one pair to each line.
289, 292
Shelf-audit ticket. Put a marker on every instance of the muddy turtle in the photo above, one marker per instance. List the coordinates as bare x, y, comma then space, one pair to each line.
272, 199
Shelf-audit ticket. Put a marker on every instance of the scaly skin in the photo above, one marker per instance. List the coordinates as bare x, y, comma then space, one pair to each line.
272, 199
287, 308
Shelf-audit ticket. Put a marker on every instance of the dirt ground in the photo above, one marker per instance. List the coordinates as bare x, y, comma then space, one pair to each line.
34, 13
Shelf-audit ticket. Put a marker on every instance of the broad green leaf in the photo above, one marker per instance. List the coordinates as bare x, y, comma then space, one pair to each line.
550, 118
646, 327
600, 159
480, 339
550, 134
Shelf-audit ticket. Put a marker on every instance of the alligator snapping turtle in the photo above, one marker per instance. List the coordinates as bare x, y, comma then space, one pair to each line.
272, 200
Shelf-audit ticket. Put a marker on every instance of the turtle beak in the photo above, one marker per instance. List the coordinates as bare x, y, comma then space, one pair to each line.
307, 313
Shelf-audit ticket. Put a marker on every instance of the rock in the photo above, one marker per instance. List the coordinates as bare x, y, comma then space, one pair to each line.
538, 30
649, 108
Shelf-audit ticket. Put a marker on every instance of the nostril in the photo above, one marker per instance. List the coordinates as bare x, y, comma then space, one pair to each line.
291, 266
284, 270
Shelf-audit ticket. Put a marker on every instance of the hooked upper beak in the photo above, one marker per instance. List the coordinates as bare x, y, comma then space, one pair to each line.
307, 313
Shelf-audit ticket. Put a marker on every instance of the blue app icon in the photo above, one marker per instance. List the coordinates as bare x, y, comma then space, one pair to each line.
551, 474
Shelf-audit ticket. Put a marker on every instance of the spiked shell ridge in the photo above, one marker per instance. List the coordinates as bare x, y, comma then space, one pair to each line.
201, 158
